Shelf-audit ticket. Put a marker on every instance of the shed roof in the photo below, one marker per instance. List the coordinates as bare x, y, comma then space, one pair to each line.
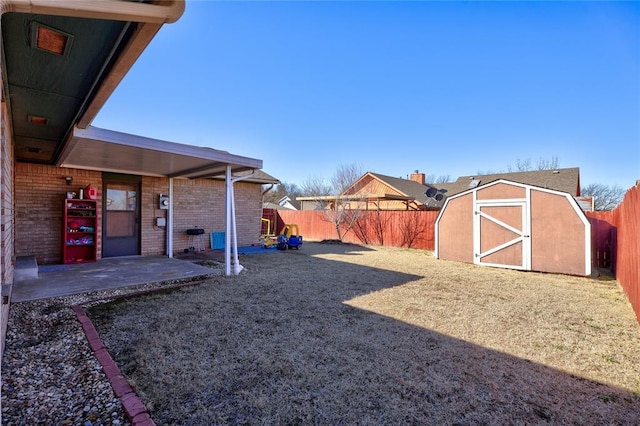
565, 180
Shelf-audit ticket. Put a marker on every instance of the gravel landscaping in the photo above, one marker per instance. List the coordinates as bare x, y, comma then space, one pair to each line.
338, 334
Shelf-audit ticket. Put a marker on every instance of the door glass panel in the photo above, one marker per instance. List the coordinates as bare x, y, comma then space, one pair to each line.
121, 199
121, 206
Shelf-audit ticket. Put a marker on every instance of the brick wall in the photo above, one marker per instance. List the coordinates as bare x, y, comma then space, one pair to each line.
41, 190
40, 194
248, 212
7, 210
7, 220
201, 203
154, 238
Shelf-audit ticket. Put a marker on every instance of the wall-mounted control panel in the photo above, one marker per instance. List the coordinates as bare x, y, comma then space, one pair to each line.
164, 202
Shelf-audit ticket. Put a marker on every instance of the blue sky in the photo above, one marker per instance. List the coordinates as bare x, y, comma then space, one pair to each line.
447, 88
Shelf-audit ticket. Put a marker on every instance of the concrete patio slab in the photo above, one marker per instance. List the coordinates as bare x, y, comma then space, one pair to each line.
106, 273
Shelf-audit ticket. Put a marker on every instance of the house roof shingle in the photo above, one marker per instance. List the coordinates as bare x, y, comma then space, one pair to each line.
410, 188
565, 180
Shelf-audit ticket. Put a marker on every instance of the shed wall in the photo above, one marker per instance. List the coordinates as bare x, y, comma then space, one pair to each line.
500, 191
455, 230
557, 230
557, 235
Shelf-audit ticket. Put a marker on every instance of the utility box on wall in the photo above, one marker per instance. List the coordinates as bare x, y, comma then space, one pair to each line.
164, 202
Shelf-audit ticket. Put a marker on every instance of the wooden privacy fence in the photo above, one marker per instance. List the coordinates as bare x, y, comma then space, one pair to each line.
615, 244
412, 229
615, 235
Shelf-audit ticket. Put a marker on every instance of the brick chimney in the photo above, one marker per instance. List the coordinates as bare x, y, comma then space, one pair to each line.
416, 176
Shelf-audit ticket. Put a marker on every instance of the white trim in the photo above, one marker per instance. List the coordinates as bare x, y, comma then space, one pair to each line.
169, 227
230, 223
150, 17
227, 222
117, 10
498, 221
523, 234
437, 229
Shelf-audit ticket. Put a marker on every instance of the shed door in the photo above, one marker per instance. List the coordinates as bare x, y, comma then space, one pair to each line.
501, 235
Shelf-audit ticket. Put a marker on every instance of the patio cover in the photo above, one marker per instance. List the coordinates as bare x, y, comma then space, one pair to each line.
106, 150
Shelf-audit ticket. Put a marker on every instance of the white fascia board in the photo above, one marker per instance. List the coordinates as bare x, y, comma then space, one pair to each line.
166, 11
136, 141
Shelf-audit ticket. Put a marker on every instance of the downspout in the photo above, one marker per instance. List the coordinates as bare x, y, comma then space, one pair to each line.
170, 221
228, 186
231, 223
237, 267
268, 189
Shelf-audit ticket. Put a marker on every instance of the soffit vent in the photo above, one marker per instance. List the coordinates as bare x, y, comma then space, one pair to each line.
38, 121
50, 39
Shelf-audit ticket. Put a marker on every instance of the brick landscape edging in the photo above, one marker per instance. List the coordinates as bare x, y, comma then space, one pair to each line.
131, 403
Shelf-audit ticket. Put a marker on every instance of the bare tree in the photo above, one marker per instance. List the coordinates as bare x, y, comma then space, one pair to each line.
439, 179
315, 186
362, 228
412, 229
345, 176
604, 197
341, 214
371, 226
551, 164
341, 210
527, 165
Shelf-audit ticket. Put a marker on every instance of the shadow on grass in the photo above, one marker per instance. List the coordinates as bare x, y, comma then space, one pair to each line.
278, 345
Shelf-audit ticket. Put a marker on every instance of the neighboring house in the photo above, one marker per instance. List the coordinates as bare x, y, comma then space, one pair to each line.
381, 192
374, 191
61, 62
313, 203
288, 204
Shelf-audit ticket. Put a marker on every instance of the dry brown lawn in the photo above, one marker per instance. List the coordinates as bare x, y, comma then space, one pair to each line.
344, 334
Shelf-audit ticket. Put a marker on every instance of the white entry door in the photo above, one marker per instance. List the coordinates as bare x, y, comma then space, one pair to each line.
502, 234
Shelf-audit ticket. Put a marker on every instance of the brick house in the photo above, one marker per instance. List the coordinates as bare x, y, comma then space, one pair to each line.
61, 62
380, 192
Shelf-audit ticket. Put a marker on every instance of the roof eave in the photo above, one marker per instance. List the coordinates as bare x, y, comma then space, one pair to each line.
150, 16
165, 11
81, 151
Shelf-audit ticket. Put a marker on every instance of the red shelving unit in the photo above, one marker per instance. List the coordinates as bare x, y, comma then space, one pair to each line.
79, 242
